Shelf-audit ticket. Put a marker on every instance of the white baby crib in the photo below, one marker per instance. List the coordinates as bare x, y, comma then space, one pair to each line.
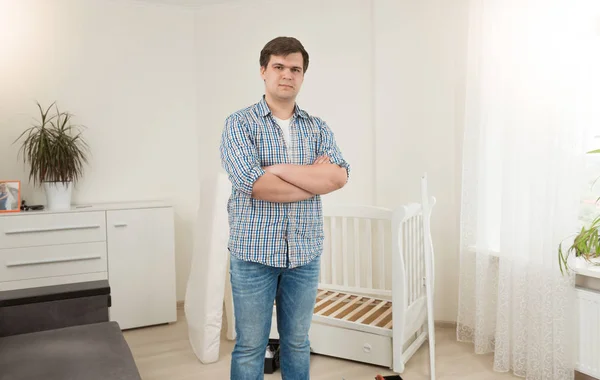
375, 298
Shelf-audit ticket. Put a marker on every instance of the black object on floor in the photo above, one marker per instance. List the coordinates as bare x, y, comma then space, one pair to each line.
390, 377
272, 363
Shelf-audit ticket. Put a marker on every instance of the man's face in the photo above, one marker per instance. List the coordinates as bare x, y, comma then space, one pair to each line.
283, 76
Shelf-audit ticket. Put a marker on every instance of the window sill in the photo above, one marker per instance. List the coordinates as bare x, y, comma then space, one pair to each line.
593, 271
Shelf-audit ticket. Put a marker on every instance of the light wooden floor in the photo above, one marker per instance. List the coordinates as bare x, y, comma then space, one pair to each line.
164, 353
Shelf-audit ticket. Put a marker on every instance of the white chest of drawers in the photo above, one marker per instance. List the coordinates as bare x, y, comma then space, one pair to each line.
130, 244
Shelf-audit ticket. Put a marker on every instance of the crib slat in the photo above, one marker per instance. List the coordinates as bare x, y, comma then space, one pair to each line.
345, 307
369, 251
371, 312
382, 317
356, 251
389, 325
334, 304
381, 245
415, 258
358, 309
329, 297
323, 270
333, 251
416, 250
408, 256
402, 243
321, 293
344, 252
421, 275
420, 256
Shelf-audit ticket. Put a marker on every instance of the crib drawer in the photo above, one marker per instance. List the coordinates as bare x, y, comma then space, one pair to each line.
50, 229
55, 260
351, 344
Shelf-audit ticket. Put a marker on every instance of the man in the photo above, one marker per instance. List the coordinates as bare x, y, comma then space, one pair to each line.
279, 160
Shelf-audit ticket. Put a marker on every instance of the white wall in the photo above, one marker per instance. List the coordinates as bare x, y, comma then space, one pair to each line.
387, 77
153, 84
126, 70
420, 53
337, 85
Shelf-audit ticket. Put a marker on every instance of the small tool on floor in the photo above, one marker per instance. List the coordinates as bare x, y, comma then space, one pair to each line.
391, 377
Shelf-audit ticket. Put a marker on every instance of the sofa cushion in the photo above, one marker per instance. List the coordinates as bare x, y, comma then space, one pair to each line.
54, 293
91, 352
53, 307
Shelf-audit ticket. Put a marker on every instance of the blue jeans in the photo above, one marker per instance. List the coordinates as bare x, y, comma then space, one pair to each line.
255, 287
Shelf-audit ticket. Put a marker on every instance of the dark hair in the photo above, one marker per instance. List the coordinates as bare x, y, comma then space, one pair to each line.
283, 46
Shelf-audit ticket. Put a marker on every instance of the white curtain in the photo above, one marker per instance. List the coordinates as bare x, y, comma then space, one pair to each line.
530, 100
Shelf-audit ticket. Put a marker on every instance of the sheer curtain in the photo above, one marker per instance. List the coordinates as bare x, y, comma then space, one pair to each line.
529, 105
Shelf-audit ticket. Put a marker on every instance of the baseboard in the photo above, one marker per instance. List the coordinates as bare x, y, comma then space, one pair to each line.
445, 324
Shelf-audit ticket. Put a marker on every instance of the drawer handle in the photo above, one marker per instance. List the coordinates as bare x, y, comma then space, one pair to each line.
50, 261
120, 224
51, 229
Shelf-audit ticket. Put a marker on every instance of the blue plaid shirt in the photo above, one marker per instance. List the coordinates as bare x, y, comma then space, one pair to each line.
274, 234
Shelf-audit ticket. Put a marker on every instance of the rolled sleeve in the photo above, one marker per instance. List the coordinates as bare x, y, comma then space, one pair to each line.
329, 147
239, 157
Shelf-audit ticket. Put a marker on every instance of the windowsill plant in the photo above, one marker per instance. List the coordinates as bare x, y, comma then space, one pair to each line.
586, 244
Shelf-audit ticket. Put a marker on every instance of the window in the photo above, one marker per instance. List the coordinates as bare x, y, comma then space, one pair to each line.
589, 207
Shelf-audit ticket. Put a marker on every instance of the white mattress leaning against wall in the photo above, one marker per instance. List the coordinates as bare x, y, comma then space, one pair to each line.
208, 272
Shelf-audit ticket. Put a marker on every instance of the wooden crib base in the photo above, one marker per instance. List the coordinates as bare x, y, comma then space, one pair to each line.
350, 326
354, 311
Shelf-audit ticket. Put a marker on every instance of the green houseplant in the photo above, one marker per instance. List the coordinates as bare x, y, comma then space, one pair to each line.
56, 154
586, 244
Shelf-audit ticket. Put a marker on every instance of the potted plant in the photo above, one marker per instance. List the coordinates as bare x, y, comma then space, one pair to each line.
585, 247
56, 154
586, 244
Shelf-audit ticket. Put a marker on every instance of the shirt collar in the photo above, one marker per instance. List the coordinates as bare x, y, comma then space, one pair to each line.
264, 110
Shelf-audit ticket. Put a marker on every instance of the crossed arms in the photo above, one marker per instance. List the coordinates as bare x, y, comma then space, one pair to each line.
292, 183
280, 182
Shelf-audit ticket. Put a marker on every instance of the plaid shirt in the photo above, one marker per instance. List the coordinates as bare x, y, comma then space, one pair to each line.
274, 234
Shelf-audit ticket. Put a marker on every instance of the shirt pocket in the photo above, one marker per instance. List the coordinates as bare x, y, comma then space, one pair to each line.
269, 146
308, 147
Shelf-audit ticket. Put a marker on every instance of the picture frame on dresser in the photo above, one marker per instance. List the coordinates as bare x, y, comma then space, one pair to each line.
10, 196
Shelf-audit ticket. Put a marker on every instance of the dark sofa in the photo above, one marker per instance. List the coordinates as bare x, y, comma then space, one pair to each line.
62, 333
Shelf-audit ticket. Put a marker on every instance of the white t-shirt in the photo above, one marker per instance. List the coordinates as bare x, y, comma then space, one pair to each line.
285, 128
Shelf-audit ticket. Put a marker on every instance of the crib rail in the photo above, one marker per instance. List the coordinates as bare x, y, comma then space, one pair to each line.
357, 256
357, 252
412, 253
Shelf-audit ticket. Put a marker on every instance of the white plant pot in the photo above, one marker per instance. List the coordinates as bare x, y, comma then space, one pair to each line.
58, 195
580, 262
595, 261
